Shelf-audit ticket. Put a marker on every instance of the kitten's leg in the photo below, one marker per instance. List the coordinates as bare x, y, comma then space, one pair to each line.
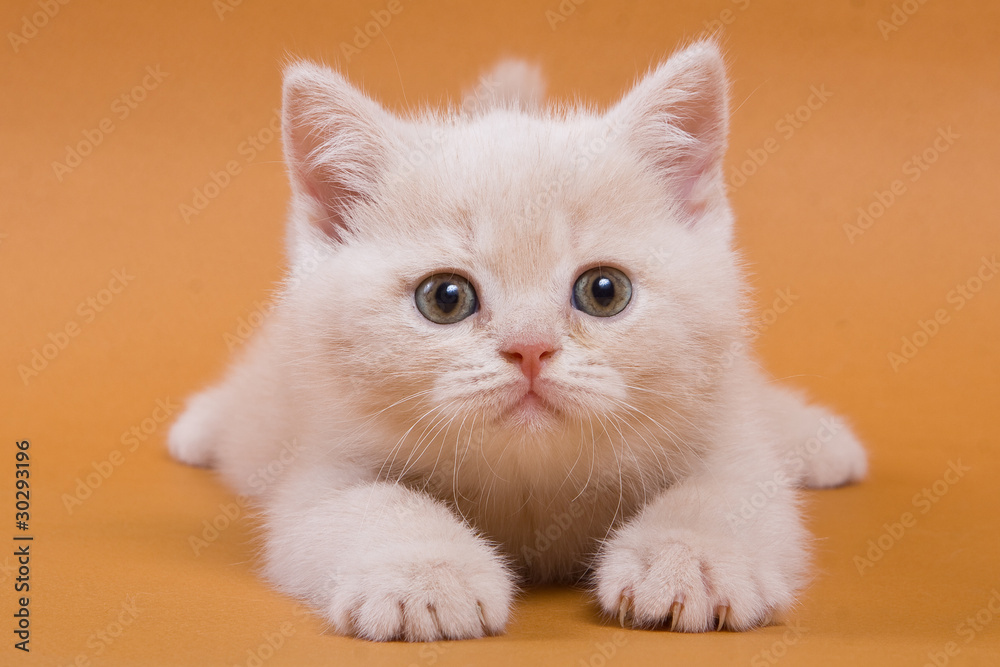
510, 83
241, 425
724, 548
818, 447
382, 561
192, 437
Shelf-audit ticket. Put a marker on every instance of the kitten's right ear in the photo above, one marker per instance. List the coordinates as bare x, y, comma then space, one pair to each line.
335, 144
677, 118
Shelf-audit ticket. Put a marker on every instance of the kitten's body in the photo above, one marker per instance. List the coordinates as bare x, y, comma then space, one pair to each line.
415, 477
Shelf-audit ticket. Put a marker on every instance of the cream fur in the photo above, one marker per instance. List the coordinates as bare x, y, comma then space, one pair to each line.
419, 494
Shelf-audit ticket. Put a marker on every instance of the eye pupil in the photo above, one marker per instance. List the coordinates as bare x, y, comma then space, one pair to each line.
603, 290
447, 297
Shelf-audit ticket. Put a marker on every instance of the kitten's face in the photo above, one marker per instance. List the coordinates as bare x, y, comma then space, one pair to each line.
509, 211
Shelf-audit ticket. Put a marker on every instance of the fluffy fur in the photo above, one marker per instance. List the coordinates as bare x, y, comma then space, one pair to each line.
412, 485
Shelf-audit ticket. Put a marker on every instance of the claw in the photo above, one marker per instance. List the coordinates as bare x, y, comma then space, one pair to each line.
675, 613
722, 612
482, 617
437, 621
623, 608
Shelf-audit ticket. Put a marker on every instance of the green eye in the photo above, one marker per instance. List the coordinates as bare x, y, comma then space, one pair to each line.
602, 292
446, 298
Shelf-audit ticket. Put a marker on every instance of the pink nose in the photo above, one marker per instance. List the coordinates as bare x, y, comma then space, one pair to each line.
531, 357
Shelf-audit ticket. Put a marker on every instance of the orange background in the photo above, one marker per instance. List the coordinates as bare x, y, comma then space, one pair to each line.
164, 334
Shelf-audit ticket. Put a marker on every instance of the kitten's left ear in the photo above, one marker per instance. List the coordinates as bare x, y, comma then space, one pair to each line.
677, 117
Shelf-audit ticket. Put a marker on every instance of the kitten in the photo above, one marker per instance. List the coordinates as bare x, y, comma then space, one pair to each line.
513, 347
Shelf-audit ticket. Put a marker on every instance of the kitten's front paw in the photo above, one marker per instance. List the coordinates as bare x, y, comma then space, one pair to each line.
423, 592
681, 580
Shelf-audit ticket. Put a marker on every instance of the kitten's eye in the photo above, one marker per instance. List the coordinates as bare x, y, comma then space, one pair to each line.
602, 292
446, 298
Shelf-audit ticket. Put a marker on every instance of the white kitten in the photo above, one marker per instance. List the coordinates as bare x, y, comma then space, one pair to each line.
510, 348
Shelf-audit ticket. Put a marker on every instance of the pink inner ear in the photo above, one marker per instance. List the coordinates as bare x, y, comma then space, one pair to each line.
679, 116
307, 183
330, 198
333, 143
326, 198
689, 168
695, 189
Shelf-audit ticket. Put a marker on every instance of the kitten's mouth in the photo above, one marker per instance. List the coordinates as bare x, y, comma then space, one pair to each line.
531, 400
530, 407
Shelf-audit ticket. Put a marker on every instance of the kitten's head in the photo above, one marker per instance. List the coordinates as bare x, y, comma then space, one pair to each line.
508, 276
